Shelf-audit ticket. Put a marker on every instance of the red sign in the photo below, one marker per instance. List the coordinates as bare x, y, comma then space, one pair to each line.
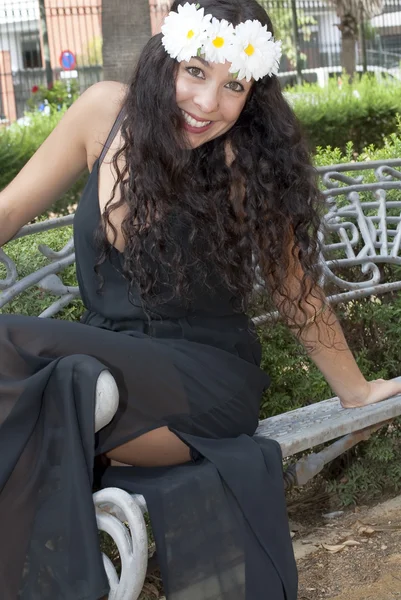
68, 60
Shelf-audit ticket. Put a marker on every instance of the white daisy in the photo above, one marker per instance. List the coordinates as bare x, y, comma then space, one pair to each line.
255, 53
220, 36
185, 31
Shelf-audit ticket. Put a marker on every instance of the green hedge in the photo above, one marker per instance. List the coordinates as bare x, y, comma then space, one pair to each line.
363, 113
19, 142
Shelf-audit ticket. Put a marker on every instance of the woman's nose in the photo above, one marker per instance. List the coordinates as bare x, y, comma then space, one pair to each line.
207, 100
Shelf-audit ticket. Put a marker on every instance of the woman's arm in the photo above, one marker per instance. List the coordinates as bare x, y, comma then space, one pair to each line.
328, 348
319, 330
68, 151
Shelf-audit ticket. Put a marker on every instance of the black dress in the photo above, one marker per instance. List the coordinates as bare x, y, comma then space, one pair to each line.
195, 371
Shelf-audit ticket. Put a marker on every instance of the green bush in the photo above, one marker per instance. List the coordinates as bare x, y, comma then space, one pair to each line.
363, 113
18, 144
58, 96
331, 118
372, 327
368, 471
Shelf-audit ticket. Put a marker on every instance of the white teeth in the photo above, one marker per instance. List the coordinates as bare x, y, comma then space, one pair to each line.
194, 122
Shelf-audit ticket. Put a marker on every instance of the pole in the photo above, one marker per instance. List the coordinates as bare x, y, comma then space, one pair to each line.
45, 42
363, 40
296, 41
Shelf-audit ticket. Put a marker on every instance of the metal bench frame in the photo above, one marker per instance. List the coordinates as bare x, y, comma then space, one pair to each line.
358, 228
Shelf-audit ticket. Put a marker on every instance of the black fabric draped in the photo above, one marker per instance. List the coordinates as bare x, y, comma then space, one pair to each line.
220, 524
49, 540
219, 535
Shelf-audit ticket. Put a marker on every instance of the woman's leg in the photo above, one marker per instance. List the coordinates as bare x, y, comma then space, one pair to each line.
157, 448
128, 358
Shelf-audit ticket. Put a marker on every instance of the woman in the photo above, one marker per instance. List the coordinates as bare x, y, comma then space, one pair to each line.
198, 173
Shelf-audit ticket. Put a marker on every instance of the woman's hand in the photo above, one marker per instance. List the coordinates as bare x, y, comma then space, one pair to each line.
376, 391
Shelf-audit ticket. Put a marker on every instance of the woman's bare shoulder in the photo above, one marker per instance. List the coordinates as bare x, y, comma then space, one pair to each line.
107, 95
103, 102
71, 147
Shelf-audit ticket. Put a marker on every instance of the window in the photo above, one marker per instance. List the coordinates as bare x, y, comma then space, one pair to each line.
391, 43
31, 52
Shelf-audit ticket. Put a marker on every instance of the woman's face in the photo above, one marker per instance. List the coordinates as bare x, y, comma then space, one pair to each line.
210, 99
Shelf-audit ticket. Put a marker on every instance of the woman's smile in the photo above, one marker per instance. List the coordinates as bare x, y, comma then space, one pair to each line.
194, 124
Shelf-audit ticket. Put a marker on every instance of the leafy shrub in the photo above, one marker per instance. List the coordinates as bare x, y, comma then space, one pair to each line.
363, 113
58, 96
18, 144
331, 117
368, 471
372, 327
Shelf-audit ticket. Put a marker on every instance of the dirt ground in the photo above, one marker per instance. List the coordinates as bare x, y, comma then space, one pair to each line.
355, 555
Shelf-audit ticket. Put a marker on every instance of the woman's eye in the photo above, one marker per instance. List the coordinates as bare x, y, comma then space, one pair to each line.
195, 71
235, 86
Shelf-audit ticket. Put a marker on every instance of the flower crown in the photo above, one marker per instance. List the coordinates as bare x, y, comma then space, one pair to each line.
249, 47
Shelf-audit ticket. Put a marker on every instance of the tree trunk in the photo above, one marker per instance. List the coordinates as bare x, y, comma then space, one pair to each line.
126, 29
348, 55
349, 36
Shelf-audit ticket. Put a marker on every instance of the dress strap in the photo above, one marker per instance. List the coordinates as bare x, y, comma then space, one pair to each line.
112, 135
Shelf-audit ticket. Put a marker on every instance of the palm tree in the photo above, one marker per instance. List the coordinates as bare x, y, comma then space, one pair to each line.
352, 13
126, 29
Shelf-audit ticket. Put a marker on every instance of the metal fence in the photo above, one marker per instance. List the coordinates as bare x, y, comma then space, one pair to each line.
311, 36
42, 41
312, 40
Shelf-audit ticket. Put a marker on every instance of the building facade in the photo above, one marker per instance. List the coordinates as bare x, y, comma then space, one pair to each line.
74, 31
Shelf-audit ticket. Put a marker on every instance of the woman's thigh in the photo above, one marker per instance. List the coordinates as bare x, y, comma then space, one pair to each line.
157, 448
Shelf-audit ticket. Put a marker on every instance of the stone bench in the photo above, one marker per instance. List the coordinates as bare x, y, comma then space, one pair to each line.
362, 232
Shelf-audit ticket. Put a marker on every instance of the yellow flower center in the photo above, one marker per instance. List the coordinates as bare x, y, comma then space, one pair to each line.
249, 50
190, 34
218, 42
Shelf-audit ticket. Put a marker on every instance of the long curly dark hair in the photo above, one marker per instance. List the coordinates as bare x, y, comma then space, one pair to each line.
190, 213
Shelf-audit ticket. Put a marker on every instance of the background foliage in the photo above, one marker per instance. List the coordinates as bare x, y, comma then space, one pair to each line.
18, 144
284, 31
363, 113
59, 96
